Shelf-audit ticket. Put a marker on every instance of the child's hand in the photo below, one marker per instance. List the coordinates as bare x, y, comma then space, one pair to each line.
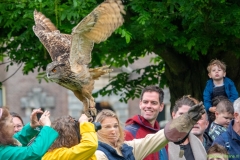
212, 109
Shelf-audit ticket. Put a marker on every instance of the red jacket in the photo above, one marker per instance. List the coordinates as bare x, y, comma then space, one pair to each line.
138, 127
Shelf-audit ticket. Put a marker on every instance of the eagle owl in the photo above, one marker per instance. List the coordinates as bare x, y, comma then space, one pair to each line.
71, 53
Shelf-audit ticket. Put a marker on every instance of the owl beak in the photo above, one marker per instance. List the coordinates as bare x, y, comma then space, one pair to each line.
48, 75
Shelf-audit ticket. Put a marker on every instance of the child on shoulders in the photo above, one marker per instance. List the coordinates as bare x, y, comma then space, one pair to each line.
218, 85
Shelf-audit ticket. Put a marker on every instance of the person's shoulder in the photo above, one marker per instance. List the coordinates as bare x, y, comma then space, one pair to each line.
87, 127
214, 124
193, 138
132, 120
209, 83
226, 79
131, 131
220, 139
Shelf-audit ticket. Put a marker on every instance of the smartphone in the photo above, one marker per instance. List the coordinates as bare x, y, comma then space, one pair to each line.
39, 115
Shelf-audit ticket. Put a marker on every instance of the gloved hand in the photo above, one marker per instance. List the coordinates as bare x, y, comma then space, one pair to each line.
178, 129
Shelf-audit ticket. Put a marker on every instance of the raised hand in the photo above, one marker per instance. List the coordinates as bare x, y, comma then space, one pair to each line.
83, 118
45, 119
33, 118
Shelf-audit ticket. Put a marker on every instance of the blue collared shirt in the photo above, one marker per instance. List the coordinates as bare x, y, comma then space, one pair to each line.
231, 141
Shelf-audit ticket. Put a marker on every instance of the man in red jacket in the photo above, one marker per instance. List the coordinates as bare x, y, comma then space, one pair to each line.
151, 103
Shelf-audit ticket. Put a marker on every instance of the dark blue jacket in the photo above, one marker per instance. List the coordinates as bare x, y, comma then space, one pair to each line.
230, 89
112, 154
231, 141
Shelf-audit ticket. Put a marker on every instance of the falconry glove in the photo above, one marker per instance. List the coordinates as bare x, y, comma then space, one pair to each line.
177, 130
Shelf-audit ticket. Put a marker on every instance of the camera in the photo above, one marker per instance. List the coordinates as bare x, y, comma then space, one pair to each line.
39, 114
97, 126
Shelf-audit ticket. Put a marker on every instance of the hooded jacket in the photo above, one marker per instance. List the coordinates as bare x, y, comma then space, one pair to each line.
84, 150
138, 127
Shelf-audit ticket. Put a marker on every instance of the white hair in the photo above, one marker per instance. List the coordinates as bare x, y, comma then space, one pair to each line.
236, 105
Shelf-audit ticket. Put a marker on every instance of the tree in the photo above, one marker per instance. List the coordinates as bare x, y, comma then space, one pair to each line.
184, 34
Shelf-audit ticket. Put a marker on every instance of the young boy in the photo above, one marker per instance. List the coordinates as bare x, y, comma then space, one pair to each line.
218, 85
224, 114
217, 152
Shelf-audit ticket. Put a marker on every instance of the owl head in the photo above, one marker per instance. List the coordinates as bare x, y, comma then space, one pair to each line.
55, 70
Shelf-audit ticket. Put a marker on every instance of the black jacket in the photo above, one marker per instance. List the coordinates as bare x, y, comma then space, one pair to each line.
207, 141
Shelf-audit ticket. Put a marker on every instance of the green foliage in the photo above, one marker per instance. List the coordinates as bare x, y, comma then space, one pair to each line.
190, 29
123, 86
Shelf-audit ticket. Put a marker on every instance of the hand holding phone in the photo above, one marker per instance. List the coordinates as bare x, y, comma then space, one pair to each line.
45, 119
39, 115
34, 120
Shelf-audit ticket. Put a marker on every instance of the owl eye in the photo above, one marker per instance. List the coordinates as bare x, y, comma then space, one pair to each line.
54, 70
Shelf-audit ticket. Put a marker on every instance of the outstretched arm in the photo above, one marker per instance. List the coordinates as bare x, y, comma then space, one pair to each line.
175, 131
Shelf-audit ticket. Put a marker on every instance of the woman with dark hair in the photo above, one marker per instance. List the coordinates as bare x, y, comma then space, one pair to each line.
17, 121
14, 146
77, 140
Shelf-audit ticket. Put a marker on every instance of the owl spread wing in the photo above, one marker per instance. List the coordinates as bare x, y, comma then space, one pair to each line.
57, 44
95, 28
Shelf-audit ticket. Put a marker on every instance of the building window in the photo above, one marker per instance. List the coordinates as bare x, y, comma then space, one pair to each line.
37, 98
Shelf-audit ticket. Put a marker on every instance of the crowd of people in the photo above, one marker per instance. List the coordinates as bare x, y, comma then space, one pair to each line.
67, 138
196, 132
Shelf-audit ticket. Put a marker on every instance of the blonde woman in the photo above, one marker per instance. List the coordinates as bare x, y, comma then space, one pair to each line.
111, 143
